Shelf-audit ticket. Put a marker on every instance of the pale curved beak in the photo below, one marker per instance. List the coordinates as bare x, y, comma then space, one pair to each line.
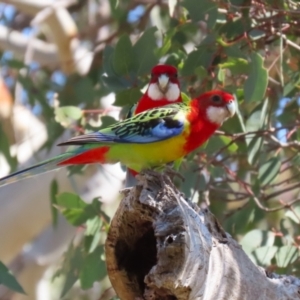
163, 81
231, 107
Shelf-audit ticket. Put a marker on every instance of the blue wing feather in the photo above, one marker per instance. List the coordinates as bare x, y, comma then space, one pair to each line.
132, 133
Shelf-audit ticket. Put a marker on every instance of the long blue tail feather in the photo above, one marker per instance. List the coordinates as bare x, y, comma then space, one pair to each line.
42, 167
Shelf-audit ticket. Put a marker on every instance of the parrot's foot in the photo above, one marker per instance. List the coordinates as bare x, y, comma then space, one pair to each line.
168, 171
172, 173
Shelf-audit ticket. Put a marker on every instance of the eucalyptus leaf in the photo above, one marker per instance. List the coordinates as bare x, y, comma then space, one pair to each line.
257, 238
7, 279
199, 9
269, 170
264, 255
123, 56
286, 255
128, 97
94, 269
256, 83
66, 115
144, 52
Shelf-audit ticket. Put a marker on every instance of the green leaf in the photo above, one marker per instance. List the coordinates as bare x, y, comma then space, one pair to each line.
53, 193
75, 210
291, 214
198, 11
124, 56
185, 98
92, 233
201, 72
15, 64
221, 76
269, 170
235, 28
201, 57
236, 65
286, 255
254, 143
93, 269
235, 51
288, 231
254, 147
70, 201
240, 117
128, 97
215, 143
108, 55
167, 42
226, 140
5, 149
93, 226
263, 255
256, 84
70, 268
191, 180
144, 52
84, 90
66, 115
92, 241
107, 121
8, 280
256, 238
115, 83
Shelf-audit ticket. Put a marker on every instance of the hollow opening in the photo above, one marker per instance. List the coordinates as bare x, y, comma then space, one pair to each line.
138, 256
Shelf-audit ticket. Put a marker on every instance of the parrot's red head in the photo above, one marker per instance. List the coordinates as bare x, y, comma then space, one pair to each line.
164, 84
209, 111
215, 106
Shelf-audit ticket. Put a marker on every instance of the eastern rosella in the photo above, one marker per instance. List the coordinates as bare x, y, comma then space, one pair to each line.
163, 89
147, 140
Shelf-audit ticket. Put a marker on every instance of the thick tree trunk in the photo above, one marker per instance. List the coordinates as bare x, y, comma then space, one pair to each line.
162, 246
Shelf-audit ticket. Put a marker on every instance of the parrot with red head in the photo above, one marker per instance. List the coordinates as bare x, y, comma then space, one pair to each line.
163, 89
147, 140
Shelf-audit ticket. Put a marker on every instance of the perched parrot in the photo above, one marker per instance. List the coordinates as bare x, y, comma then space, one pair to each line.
163, 89
147, 140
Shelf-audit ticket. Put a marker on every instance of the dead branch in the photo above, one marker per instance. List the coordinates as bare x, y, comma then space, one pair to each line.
162, 246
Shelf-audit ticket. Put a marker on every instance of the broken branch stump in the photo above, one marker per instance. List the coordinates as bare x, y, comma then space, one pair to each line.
162, 246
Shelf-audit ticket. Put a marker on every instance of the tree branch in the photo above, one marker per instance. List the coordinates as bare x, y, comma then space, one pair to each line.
162, 246
44, 53
61, 29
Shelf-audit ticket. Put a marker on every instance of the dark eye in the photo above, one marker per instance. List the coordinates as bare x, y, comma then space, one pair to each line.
152, 75
216, 98
175, 75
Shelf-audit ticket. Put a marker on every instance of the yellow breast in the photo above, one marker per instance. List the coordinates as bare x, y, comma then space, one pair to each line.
143, 156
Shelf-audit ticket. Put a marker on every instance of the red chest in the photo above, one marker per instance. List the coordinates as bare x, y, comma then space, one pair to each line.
147, 103
201, 131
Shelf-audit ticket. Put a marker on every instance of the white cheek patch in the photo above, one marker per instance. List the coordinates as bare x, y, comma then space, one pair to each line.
173, 92
154, 92
171, 95
217, 114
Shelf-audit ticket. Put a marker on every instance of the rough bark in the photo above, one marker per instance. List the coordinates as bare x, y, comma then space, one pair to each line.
162, 246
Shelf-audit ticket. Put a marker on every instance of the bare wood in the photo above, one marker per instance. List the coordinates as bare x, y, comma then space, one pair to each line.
59, 28
162, 246
44, 53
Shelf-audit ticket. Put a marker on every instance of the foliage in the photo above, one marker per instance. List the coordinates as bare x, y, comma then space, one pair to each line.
7, 279
85, 261
248, 172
